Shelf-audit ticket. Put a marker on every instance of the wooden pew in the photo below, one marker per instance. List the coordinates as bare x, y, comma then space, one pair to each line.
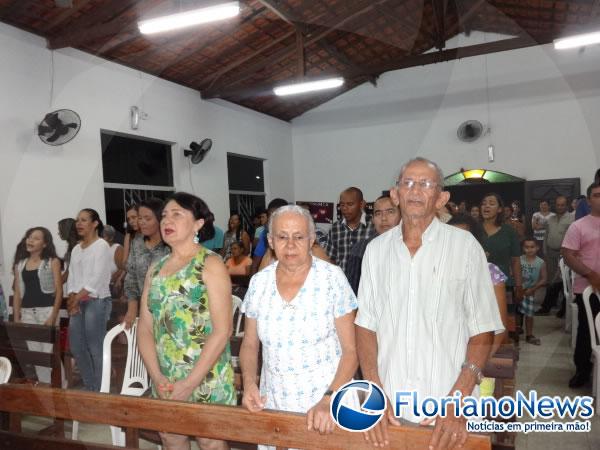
13, 345
284, 430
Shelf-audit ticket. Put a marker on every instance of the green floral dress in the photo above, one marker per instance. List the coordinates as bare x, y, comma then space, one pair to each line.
181, 322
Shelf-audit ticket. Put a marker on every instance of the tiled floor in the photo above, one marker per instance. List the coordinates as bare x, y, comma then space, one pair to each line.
546, 368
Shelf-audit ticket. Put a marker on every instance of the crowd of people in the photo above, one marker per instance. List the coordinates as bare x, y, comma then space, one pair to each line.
415, 297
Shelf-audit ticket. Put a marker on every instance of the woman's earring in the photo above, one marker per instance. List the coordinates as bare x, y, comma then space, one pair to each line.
196, 239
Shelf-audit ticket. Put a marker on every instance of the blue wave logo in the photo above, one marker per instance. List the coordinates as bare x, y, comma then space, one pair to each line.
347, 411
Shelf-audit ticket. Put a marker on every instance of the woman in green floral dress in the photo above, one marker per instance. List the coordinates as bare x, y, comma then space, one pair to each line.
186, 317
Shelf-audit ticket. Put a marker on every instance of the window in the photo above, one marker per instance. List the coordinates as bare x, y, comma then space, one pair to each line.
134, 168
246, 186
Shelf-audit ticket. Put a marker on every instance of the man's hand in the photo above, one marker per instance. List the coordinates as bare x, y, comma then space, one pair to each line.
252, 400
378, 435
73, 305
449, 433
318, 417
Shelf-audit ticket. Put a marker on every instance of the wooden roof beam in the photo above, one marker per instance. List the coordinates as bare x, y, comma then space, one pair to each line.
64, 15
406, 62
340, 56
439, 13
93, 25
284, 53
465, 16
277, 9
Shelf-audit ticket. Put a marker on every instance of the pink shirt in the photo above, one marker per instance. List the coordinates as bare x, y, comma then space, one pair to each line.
583, 236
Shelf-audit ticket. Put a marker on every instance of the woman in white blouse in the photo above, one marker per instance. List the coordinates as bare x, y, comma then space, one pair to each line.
89, 303
301, 309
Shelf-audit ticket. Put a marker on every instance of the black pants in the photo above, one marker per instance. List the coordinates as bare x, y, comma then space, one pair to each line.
583, 349
551, 295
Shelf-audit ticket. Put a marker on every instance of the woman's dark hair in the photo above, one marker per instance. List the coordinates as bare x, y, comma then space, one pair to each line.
48, 252
199, 210
68, 233
499, 220
154, 204
95, 217
130, 231
21, 251
472, 224
239, 217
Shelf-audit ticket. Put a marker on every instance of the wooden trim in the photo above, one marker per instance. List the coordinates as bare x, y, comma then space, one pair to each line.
27, 441
210, 421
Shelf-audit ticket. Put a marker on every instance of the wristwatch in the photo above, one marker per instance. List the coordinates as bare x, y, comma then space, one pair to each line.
328, 392
473, 368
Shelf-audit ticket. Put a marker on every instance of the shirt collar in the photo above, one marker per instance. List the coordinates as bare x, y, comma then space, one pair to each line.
363, 220
430, 232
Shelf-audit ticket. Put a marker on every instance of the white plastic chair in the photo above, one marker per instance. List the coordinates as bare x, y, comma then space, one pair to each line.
571, 310
594, 330
237, 305
5, 369
135, 380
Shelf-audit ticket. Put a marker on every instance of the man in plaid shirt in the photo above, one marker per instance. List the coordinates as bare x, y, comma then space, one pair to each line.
354, 227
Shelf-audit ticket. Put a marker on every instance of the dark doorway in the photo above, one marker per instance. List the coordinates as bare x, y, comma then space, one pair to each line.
537, 190
472, 194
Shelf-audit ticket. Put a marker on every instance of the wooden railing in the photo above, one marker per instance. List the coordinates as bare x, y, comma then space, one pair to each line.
284, 430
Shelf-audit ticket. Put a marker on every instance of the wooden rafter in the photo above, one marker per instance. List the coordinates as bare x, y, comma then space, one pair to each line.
402, 23
406, 62
299, 54
14, 8
62, 17
277, 10
333, 51
439, 13
465, 16
93, 26
284, 53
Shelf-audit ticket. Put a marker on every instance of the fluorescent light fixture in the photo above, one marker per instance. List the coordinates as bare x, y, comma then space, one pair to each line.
308, 86
578, 40
189, 18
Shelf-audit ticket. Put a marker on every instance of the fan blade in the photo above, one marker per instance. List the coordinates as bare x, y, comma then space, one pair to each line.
72, 125
55, 136
52, 120
43, 129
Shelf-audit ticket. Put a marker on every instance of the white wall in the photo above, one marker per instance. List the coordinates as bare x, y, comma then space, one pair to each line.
40, 184
544, 115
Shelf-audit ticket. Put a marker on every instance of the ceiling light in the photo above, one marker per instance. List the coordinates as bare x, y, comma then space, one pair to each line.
578, 40
309, 86
189, 18
474, 173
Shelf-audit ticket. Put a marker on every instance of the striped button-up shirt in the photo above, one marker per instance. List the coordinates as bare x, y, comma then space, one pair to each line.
425, 308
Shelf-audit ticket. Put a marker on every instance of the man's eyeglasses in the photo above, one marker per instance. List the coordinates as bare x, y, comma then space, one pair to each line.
295, 239
423, 184
385, 212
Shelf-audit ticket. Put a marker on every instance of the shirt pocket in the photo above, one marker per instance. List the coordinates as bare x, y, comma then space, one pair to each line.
449, 305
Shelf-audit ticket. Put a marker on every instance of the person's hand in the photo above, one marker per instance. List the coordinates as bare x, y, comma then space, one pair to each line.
594, 279
73, 305
378, 435
129, 318
252, 400
449, 432
164, 387
519, 293
318, 417
50, 321
528, 292
182, 390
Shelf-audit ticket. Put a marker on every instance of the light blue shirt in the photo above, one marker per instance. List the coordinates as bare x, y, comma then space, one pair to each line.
216, 242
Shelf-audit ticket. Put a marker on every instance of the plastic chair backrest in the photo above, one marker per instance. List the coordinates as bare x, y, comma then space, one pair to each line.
5, 369
237, 306
588, 312
135, 380
567, 279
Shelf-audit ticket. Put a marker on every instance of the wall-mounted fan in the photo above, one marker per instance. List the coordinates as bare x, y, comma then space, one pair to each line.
59, 127
198, 151
470, 130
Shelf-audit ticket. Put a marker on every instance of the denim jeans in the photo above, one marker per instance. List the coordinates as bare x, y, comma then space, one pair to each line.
86, 336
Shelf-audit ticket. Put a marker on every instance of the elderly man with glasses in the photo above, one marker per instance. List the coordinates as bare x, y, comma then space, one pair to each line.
427, 312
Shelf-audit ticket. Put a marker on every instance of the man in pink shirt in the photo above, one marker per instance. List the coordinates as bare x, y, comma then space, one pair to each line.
581, 250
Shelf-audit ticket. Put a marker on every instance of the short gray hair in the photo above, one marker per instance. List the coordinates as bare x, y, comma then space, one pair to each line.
109, 231
419, 159
293, 209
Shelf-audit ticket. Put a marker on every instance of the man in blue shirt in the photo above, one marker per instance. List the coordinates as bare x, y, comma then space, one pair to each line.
216, 242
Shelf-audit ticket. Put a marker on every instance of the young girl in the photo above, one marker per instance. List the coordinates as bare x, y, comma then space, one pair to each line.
38, 288
131, 232
534, 277
89, 303
235, 233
